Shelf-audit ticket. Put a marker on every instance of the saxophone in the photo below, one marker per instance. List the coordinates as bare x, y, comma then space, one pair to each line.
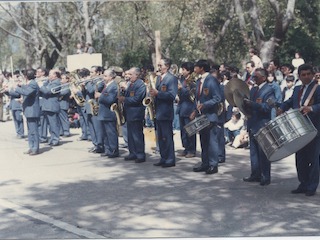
118, 110
149, 101
75, 87
94, 105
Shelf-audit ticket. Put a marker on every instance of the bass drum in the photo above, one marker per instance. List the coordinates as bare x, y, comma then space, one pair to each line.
285, 135
196, 125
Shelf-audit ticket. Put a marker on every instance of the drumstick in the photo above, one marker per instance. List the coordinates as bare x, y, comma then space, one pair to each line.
270, 101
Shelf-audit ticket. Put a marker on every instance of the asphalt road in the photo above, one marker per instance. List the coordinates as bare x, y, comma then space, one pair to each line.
66, 192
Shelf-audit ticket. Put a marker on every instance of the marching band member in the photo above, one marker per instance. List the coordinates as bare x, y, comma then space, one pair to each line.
185, 108
31, 109
134, 113
108, 119
51, 106
94, 124
261, 114
64, 107
307, 159
164, 95
208, 95
16, 108
43, 125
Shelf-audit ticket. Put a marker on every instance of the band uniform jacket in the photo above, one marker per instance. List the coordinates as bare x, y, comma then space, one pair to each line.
261, 110
210, 96
108, 96
134, 109
50, 101
167, 91
185, 106
14, 103
30, 105
65, 97
292, 102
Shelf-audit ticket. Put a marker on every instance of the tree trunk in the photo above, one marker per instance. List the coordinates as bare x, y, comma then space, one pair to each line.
87, 21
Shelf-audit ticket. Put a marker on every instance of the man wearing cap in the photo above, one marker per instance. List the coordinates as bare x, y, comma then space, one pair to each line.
261, 114
164, 95
307, 159
208, 96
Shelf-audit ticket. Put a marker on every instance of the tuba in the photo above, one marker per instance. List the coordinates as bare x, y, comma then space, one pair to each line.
117, 108
149, 101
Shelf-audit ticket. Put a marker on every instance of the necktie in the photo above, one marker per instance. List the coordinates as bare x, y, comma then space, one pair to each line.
255, 93
130, 85
105, 86
185, 80
199, 89
300, 94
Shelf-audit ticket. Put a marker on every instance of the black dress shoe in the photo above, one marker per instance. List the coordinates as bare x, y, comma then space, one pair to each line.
158, 164
54, 144
104, 154
113, 156
221, 160
166, 165
200, 169
310, 193
43, 141
265, 183
128, 158
250, 179
212, 170
27, 152
48, 144
81, 139
140, 160
298, 190
98, 151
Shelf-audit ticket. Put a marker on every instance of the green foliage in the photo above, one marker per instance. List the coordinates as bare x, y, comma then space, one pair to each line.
135, 57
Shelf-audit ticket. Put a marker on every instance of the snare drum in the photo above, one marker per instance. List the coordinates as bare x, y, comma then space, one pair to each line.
285, 135
196, 125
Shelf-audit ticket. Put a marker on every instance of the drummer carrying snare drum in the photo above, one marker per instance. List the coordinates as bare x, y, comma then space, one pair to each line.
307, 98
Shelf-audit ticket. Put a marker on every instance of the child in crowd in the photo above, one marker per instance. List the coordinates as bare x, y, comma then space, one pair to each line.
277, 91
288, 90
233, 126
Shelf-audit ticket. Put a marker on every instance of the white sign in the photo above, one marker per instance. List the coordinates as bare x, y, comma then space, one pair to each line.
85, 60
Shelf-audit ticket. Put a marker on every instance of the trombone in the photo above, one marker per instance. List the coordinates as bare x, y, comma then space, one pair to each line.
76, 81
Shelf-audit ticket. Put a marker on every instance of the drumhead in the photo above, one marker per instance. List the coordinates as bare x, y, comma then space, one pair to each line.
292, 147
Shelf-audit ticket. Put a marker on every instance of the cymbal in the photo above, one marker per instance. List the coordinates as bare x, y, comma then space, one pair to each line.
231, 86
239, 97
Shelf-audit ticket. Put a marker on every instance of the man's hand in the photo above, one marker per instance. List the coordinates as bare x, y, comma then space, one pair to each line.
200, 106
279, 111
121, 99
20, 84
192, 115
305, 110
179, 85
97, 95
153, 92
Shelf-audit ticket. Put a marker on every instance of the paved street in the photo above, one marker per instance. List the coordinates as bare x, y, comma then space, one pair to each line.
66, 192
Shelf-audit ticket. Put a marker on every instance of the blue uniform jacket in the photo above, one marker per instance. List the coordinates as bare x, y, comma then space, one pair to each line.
314, 102
261, 110
210, 96
277, 93
65, 94
167, 92
44, 79
50, 101
30, 92
134, 109
90, 89
14, 103
107, 98
185, 106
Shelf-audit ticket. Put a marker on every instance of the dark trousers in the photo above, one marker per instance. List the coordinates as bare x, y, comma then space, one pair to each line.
136, 139
18, 122
109, 137
54, 128
64, 122
43, 127
307, 163
189, 143
209, 146
33, 134
165, 138
260, 165
221, 142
